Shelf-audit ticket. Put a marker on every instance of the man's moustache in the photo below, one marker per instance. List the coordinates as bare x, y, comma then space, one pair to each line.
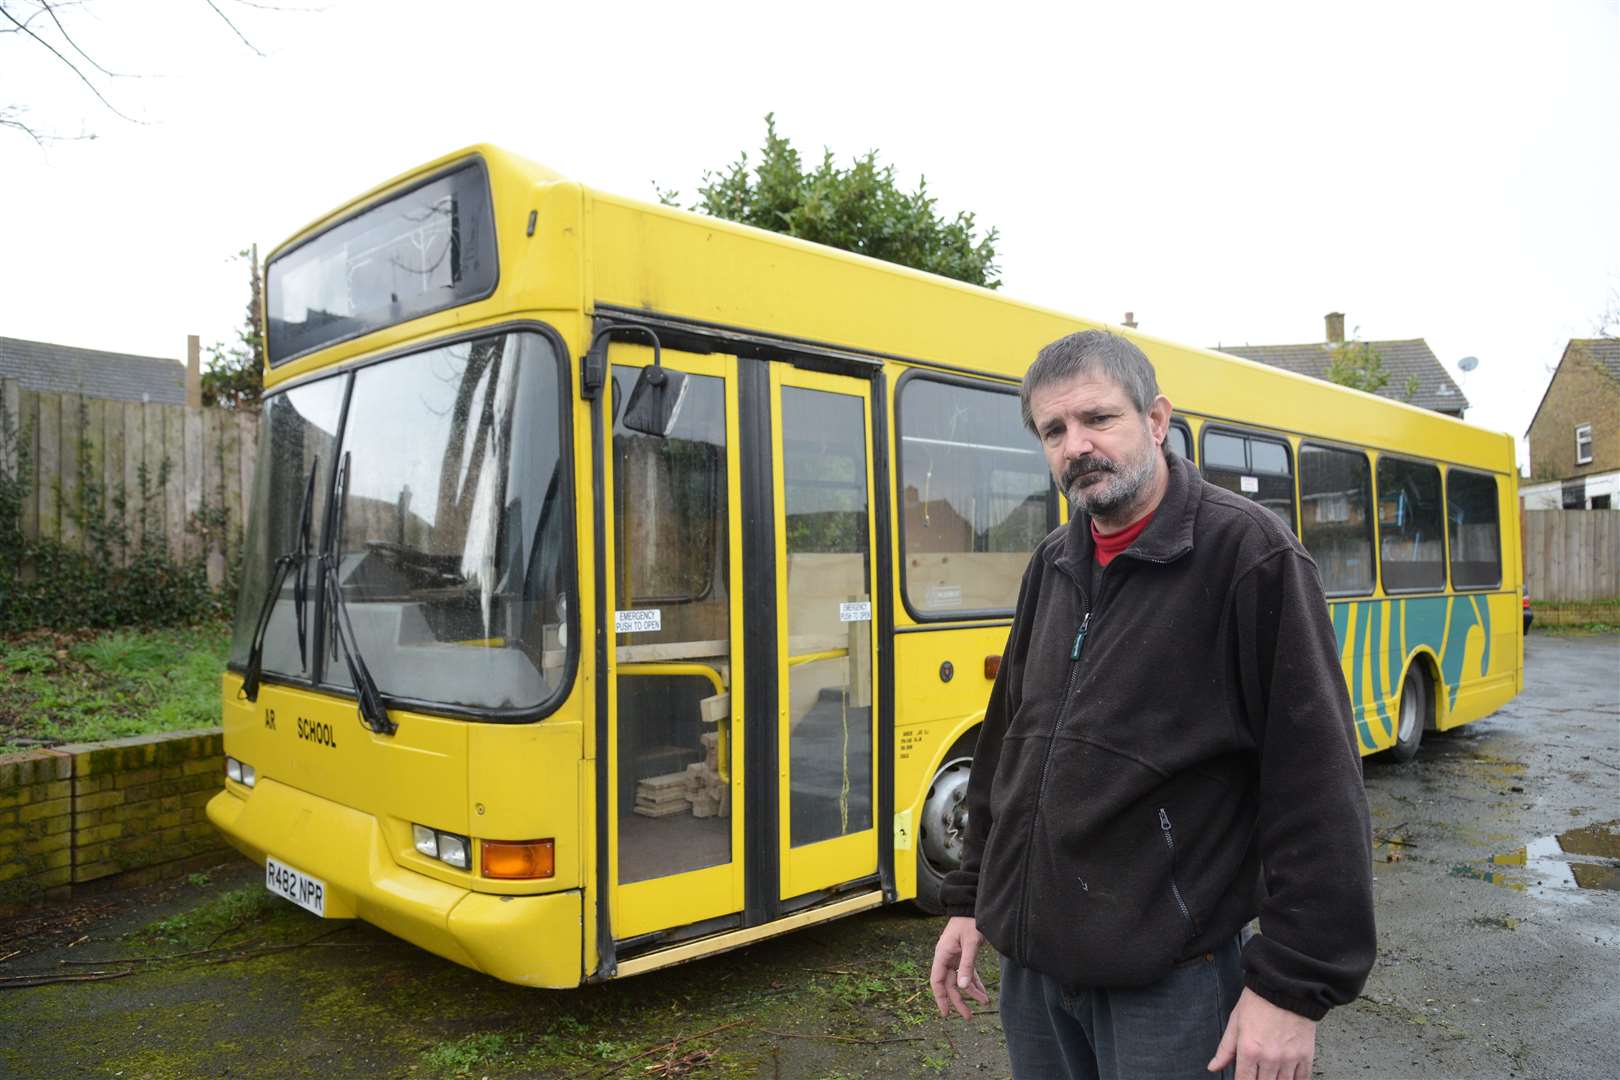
1080, 466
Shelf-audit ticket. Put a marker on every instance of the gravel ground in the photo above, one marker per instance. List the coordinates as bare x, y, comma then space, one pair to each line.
1499, 925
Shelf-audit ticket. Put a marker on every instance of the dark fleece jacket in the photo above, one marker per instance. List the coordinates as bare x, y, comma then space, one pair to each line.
1166, 759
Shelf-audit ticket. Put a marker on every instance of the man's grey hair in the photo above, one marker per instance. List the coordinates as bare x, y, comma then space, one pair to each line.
1091, 352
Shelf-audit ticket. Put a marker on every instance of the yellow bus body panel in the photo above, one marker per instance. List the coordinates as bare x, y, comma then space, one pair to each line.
337, 801
532, 940
589, 253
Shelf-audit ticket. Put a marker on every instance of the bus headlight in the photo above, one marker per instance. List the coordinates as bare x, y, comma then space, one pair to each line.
241, 772
452, 849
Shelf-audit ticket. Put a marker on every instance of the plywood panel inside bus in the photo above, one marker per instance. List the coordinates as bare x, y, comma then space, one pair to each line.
818, 627
942, 582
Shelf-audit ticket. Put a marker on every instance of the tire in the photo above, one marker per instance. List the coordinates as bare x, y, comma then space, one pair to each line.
943, 824
1412, 718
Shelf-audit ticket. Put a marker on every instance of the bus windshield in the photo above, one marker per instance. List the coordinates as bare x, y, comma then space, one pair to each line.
443, 505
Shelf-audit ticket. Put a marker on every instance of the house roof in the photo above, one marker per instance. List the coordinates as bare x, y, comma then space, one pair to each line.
64, 369
1605, 352
1402, 359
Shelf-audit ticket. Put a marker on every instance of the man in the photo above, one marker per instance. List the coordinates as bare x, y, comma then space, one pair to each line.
1167, 752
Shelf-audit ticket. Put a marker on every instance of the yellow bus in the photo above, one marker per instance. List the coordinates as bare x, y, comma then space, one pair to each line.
623, 585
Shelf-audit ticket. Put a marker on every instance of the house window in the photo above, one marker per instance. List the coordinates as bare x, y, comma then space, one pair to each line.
1583, 444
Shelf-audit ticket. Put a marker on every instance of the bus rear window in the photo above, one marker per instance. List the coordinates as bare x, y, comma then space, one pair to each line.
430, 248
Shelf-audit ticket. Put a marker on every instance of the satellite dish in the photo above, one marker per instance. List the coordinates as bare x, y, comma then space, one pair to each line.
1468, 363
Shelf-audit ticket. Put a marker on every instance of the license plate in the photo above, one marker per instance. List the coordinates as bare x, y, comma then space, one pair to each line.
307, 892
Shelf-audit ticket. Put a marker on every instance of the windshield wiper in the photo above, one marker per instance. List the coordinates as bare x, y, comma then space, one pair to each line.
368, 698
297, 558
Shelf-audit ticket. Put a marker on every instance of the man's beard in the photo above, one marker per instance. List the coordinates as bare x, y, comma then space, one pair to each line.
1121, 486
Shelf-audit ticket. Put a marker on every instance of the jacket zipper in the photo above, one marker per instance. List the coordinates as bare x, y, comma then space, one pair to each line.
1063, 712
1170, 843
1046, 762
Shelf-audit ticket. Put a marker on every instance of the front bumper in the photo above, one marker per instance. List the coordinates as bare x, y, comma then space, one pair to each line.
529, 940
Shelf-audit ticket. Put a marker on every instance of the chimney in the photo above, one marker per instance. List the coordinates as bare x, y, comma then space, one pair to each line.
1335, 327
193, 371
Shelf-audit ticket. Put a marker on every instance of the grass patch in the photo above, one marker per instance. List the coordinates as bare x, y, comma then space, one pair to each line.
461, 1057
1576, 618
88, 685
228, 911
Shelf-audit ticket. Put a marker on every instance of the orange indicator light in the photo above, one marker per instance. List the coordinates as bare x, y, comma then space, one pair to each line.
518, 860
992, 666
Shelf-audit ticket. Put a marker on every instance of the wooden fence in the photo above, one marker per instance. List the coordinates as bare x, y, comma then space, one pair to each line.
1572, 555
210, 454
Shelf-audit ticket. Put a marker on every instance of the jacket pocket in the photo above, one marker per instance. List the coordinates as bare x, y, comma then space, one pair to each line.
1168, 832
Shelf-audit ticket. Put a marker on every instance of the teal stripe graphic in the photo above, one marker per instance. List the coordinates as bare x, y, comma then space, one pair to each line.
1420, 622
1379, 678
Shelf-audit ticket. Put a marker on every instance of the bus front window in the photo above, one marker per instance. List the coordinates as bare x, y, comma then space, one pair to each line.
448, 526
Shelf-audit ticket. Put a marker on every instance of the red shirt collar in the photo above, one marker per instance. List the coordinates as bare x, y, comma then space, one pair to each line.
1105, 547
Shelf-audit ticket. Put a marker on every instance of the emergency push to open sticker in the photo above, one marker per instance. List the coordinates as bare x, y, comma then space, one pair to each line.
638, 621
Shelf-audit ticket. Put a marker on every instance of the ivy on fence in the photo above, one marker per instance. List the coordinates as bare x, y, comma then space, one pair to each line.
119, 575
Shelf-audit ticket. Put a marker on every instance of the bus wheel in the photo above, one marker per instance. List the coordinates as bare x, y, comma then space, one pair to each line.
943, 827
1413, 716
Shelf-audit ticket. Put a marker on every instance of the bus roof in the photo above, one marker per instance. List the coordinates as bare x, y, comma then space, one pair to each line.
677, 264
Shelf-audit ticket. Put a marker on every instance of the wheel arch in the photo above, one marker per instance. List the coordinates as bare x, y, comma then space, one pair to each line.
1423, 658
969, 724
914, 882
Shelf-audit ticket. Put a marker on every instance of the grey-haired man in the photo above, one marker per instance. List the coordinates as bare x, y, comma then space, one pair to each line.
1167, 752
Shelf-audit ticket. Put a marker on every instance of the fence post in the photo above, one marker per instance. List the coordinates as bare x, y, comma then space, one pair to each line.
11, 405
193, 372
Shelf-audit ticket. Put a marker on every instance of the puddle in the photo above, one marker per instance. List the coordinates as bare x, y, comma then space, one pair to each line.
1584, 858
1488, 877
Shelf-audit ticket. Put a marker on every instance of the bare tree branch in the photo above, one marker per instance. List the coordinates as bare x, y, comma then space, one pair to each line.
21, 17
7, 121
233, 27
45, 6
71, 66
37, 12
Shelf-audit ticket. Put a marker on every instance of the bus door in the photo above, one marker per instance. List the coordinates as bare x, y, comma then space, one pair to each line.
821, 435
680, 841
675, 671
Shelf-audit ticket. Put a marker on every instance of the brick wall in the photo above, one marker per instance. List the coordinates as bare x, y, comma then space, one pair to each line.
72, 816
1580, 393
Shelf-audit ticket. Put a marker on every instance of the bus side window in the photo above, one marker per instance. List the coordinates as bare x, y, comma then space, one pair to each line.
1254, 466
1336, 518
1179, 439
1474, 531
976, 497
1410, 546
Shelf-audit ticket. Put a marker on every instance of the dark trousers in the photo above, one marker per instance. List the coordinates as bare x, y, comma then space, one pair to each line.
1166, 1031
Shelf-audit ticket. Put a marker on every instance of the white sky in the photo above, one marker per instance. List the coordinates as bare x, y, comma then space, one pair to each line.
1230, 172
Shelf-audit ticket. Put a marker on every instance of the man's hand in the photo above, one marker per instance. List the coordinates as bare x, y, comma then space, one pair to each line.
953, 972
1268, 1043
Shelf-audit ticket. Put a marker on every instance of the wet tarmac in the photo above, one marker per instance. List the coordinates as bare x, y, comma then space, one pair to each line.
1496, 863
